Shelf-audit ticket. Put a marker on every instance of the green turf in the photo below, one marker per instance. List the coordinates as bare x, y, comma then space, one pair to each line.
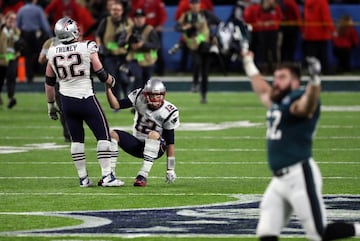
211, 164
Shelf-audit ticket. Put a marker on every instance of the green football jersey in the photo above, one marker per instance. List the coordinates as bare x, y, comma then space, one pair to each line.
289, 138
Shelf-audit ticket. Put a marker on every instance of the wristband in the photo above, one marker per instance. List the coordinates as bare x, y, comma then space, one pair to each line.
171, 163
315, 80
249, 66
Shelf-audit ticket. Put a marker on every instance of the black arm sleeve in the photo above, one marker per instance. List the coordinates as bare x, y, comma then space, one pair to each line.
50, 80
169, 136
125, 103
102, 75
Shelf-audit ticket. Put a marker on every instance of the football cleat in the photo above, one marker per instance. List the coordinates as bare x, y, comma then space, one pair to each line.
110, 181
85, 182
140, 181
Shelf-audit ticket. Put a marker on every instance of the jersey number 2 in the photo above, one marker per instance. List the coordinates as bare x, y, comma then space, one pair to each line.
272, 123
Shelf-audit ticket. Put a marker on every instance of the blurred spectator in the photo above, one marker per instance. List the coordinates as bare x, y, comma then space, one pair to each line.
12, 5
237, 12
195, 28
9, 43
290, 29
43, 60
344, 41
268, 20
104, 11
35, 28
317, 31
58, 9
155, 16
184, 6
250, 17
238, 29
143, 46
111, 37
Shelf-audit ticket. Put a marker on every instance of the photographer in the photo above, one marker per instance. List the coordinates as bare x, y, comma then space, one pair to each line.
195, 26
111, 37
143, 45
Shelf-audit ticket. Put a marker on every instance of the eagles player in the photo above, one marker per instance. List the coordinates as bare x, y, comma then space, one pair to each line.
153, 130
292, 116
69, 63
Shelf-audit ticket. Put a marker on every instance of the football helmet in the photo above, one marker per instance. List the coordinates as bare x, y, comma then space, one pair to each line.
154, 92
66, 30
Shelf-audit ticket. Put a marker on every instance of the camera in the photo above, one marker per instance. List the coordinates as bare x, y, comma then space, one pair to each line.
121, 38
135, 37
192, 19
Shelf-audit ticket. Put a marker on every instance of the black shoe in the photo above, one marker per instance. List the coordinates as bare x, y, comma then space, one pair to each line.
140, 181
12, 103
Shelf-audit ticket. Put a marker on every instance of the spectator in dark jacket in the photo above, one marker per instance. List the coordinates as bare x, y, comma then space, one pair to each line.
290, 29
317, 31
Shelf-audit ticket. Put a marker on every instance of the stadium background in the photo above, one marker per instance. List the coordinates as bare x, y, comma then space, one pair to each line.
223, 11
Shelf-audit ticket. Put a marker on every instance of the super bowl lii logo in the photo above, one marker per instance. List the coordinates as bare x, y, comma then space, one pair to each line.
238, 218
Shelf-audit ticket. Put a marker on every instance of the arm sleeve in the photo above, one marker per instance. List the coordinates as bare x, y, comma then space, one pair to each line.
125, 103
169, 136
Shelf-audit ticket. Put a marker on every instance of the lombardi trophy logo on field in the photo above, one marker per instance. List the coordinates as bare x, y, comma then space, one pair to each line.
229, 219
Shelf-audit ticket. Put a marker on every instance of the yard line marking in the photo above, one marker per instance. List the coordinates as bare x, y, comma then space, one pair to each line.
114, 194
179, 137
155, 177
257, 150
234, 124
126, 194
182, 163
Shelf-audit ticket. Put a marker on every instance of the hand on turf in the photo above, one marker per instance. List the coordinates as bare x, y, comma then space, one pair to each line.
170, 176
53, 109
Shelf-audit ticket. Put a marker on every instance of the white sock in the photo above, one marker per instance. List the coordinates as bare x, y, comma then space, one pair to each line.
78, 156
103, 155
114, 148
81, 168
357, 229
145, 169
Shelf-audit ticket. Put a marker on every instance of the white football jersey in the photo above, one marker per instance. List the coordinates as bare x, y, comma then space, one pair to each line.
146, 120
71, 64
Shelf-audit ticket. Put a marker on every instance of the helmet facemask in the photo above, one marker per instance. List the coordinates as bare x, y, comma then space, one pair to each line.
154, 92
154, 100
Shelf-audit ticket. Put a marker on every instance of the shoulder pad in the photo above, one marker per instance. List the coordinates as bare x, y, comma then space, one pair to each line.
92, 46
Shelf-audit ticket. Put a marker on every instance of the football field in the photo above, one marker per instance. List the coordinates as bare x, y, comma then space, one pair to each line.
220, 163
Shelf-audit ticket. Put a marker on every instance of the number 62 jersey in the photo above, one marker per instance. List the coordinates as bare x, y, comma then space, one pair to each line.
146, 120
71, 64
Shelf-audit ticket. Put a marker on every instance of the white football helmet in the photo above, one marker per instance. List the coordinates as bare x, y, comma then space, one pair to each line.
66, 30
154, 92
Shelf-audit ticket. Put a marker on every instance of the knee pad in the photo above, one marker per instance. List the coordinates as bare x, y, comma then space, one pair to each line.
151, 148
103, 145
77, 147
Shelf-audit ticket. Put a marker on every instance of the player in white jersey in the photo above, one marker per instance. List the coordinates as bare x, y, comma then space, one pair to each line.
153, 131
69, 64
